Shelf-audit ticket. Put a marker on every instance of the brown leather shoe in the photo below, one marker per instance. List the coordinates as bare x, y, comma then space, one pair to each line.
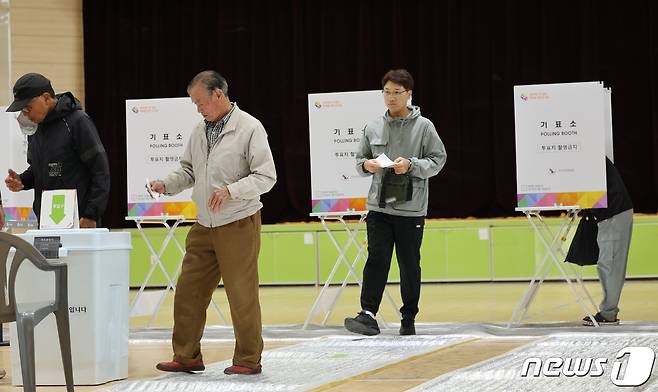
235, 369
174, 366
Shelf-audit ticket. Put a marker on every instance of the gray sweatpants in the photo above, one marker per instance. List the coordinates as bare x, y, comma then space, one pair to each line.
614, 240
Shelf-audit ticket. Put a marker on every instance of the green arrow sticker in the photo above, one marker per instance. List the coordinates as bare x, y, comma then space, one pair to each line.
57, 212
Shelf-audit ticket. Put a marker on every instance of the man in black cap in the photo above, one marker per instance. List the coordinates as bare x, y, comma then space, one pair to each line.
64, 150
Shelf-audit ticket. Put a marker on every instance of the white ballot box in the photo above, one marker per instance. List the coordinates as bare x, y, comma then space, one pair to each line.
98, 282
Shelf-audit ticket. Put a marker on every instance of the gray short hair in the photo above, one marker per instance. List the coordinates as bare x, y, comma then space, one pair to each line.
211, 80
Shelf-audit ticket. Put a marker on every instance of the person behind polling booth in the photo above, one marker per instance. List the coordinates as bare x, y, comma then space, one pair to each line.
397, 200
64, 150
603, 237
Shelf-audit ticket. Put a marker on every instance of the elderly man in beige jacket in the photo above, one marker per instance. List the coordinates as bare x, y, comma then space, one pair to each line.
229, 164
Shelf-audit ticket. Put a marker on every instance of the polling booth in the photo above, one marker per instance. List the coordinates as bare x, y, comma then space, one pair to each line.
563, 134
157, 131
16, 205
338, 192
98, 284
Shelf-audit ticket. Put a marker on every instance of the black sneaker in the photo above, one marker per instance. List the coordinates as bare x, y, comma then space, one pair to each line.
363, 324
407, 327
599, 319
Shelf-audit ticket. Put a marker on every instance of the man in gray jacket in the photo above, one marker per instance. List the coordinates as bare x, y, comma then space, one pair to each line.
229, 164
397, 200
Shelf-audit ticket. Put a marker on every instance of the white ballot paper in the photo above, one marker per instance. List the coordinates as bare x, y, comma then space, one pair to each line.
154, 195
384, 161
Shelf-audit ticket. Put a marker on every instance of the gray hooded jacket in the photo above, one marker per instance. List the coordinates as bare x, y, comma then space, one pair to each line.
414, 138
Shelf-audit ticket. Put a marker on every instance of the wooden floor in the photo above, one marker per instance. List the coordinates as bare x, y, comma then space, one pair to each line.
415, 371
464, 302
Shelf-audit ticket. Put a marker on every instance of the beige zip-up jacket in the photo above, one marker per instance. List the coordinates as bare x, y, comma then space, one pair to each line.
241, 160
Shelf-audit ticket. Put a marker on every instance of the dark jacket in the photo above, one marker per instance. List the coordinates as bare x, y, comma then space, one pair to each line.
619, 200
66, 153
584, 248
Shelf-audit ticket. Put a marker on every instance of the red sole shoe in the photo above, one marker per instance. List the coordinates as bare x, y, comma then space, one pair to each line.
174, 366
235, 369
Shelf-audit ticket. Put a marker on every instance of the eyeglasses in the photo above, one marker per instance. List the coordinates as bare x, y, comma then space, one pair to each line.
395, 94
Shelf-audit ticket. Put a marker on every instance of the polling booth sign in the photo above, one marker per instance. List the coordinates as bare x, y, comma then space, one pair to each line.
336, 124
17, 205
561, 132
156, 133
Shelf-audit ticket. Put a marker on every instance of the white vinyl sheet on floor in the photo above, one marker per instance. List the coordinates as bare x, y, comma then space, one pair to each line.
301, 367
506, 372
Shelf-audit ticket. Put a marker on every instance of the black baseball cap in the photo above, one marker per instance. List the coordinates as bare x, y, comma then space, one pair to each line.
27, 87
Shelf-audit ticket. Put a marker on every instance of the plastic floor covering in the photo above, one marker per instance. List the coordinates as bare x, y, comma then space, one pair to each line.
565, 358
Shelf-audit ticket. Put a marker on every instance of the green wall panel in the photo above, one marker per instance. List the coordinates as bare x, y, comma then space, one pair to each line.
644, 249
293, 258
467, 254
433, 258
453, 250
140, 257
329, 254
514, 252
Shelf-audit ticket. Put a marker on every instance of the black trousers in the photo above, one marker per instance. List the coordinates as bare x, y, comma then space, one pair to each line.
385, 231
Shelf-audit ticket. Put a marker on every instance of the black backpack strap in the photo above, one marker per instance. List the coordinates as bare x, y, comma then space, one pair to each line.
382, 201
410, 188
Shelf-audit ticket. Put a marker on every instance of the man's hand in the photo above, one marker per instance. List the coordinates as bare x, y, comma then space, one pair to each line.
86, 223
401, 165
14, 182
158, 186
2, 218
371, 165
217, 199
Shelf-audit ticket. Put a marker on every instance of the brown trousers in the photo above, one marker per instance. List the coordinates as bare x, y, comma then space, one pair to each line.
228, 252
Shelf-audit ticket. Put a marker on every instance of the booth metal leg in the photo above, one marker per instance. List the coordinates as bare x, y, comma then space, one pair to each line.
3, 342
